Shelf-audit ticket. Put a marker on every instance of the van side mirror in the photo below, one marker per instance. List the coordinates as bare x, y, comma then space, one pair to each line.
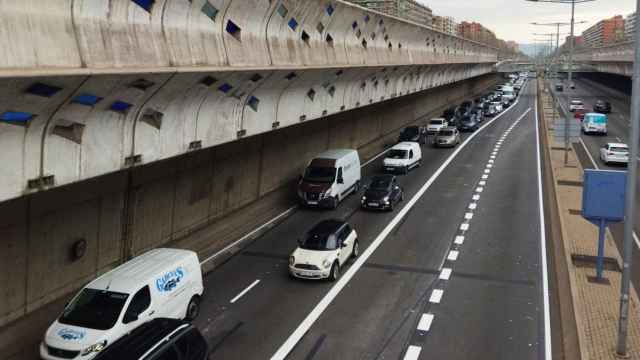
130, 317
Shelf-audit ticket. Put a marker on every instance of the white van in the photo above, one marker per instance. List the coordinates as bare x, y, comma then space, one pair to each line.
508, 93
329, 178
162, 283
404, 157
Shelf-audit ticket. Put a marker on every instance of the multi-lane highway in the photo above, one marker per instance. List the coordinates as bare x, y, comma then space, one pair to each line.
457, 271
588, 150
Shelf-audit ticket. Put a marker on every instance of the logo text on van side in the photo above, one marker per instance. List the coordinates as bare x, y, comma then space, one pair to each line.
170, 280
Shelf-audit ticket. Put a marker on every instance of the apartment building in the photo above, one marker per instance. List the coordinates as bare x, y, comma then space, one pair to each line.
406, 9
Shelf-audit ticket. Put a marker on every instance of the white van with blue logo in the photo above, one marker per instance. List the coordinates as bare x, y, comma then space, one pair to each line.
164, 283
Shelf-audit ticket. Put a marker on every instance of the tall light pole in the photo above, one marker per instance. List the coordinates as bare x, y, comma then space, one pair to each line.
557, 25
623, 320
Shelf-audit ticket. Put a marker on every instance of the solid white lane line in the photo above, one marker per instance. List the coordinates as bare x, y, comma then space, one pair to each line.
235, 243
476, 197
453, 255
436, 296
464, 227
328, 298
445, 274
425, 322
543, 247
468, 216
413, 353
459, 240
473, 206
243, 292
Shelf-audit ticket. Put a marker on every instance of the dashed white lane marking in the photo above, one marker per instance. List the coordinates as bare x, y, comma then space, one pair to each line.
476, 197
243, 292
617, 138
445, 274
425, 322
413, 353
453, 255
464, 227
485, 176
436, 296
459, 240
473, 206
491, 161
482, 183
479, 189
468, 216
489, 166
487, 171
328, 298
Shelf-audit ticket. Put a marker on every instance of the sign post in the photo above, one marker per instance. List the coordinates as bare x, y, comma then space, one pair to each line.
603, 203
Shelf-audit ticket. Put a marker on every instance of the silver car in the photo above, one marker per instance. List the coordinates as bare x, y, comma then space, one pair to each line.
447, 137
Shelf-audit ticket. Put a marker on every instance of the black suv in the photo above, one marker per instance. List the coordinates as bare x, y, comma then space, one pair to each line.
602, 107
166, 339
383, 193
414, 134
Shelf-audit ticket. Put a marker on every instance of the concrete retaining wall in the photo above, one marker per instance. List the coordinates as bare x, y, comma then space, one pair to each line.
177, 202
171, 114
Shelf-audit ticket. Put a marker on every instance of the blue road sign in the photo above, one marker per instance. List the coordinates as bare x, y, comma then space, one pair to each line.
602, 203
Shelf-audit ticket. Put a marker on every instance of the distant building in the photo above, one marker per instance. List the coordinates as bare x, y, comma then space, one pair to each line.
630, 27
605, 32
406, 9
445, 24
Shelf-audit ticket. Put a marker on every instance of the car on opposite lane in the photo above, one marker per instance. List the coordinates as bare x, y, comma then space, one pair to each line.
447, 137
614, 153
324, 250
383, 193
576, 104
602, 107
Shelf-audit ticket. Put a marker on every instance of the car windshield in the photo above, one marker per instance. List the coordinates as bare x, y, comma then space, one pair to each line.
397, 154
597, 119
380, 184
446, 133
435, 122
619, 149
576, 102
320, 174
316, 241
94, 309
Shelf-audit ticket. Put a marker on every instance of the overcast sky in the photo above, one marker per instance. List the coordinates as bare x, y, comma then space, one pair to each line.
510, 19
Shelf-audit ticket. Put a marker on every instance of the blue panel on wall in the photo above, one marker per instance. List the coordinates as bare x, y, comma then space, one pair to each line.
86, 99
145, 4
41, 89
16, 116
120, 106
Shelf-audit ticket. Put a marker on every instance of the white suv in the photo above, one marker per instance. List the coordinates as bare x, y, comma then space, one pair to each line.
614, 153
435, 125
576, 105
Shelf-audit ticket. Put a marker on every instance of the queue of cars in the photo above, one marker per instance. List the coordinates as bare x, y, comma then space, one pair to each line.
142, 309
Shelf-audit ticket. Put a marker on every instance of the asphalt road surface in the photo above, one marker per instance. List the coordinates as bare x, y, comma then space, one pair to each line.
455, 272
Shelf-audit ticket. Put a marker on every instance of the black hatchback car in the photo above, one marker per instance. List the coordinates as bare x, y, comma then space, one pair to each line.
414, 134
166, 339
468, 123
602, 107
383, 193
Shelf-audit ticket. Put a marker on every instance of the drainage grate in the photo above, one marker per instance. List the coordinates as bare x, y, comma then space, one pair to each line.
570, 183
589, 261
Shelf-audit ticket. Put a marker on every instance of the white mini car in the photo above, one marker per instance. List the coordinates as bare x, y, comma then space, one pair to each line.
615, 153
498, 105
576, 105
324, 250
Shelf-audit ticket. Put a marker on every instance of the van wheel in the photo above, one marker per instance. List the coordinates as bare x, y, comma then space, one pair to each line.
193, 309
356, 187
335, 272
356, 249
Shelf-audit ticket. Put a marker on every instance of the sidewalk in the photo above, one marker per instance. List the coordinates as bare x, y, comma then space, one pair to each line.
596, 306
